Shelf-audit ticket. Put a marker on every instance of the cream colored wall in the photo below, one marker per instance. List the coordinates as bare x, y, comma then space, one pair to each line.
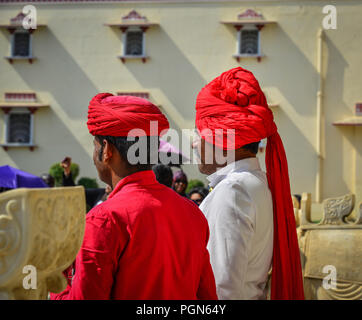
77, 58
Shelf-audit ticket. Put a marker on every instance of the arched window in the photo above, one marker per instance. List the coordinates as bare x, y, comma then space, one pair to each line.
134, 42
249, 41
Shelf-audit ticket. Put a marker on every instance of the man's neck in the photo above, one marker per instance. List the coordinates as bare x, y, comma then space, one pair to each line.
240, 156
118, 176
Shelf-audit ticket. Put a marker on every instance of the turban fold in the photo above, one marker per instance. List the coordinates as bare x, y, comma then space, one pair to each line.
110, 115
234, 101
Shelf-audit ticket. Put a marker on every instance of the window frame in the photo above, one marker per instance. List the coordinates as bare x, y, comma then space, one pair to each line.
12, 45
124, 41
7, 127
239, 42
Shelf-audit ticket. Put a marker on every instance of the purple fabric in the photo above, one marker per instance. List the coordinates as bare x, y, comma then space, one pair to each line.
13, 178
167, 147
180, 175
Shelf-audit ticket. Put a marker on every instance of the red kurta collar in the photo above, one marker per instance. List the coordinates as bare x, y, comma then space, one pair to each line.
141, 178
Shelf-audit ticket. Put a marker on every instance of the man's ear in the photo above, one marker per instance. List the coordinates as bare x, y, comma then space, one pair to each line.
107, 151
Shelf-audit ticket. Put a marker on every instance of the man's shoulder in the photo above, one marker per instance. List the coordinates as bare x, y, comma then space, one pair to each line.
99, 211
121, 204
109, 212
185, 207
246, 180
241, 186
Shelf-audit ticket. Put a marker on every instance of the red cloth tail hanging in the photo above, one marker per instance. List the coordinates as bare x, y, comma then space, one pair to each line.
287, 278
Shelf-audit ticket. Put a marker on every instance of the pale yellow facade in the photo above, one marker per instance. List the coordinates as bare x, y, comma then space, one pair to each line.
313, 81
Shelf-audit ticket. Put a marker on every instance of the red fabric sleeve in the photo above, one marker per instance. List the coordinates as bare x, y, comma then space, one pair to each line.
96, 262
207, 286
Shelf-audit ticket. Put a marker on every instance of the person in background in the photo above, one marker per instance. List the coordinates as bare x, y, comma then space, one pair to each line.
163, 174
93, 196
198, 194
107, 192
67, 173
135, 245
296, 198
180, 183
48, 179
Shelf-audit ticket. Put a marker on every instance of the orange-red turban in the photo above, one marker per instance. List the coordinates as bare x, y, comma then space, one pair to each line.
110, 115
235, 101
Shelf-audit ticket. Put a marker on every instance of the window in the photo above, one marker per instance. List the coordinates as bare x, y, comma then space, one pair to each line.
19, 110
19, 127
144, 95
248, 26
21, 44
356, 120
358, 109
20, 39
134, 43
133, 27
249, 42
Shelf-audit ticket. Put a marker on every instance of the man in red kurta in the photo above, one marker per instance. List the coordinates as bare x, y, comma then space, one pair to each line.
145, 241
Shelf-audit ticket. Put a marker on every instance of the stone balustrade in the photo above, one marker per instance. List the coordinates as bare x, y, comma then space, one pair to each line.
41, 231
331, 250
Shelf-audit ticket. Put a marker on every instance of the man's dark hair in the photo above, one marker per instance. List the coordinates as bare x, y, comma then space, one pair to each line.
203, 192
163, 174
299, 197
252, 147
122, 144
48, 179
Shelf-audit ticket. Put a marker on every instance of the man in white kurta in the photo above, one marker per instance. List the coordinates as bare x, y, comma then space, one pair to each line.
239, 210
250, 214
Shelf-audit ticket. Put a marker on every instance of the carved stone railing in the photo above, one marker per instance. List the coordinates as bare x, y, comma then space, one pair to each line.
331, 251
41, 231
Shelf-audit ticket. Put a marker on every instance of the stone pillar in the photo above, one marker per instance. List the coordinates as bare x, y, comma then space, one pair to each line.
41, 231
358, 166
332, 252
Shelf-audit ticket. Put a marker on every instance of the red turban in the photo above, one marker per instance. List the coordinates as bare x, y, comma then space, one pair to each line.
110, 115
234, 100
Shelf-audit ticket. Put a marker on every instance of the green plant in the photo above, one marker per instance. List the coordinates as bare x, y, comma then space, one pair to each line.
88, 183
193, 183
56, 171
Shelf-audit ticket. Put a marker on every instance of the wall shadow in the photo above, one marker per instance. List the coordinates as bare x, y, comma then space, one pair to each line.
48, 152
167, 72
281, 56
335, 148
56, 72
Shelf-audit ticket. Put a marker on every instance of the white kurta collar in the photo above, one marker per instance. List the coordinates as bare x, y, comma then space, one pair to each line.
248, 164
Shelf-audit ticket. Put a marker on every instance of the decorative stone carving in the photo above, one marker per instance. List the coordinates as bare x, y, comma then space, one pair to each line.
134, 15
250, 14
359, 216
334, 243
337, 209
43, 228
